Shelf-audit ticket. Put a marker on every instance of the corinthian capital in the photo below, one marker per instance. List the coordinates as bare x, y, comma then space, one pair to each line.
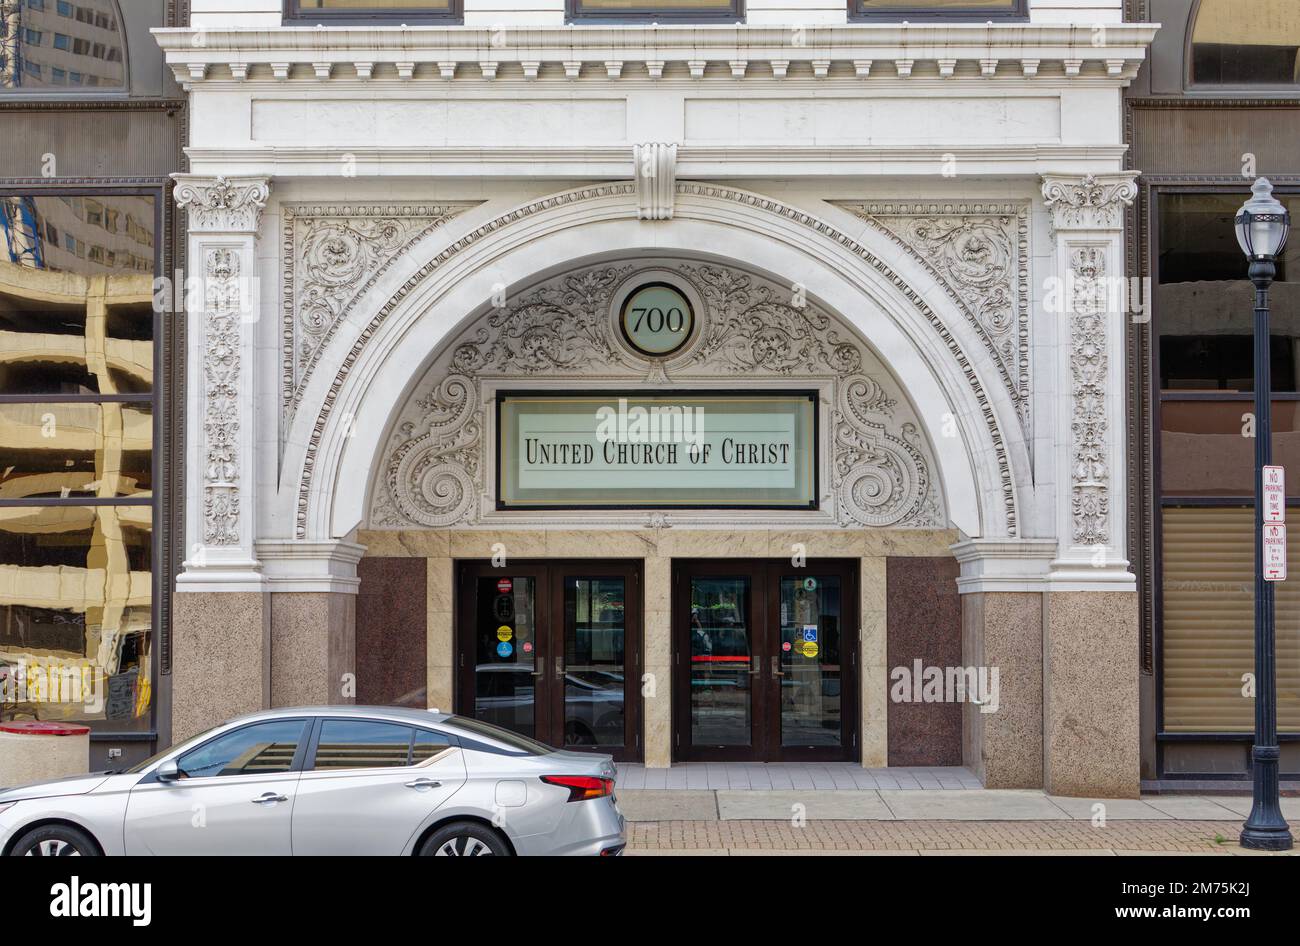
222, 204
1091, 202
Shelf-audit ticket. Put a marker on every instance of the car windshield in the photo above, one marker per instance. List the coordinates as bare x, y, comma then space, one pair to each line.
477, 727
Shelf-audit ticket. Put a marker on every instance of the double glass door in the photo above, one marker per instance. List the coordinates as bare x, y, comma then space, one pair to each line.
553, 651
765, 659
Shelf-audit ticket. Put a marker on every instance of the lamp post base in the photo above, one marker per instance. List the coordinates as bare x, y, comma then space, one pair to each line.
1266, 838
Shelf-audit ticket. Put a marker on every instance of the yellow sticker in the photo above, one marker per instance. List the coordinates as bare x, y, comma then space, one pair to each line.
504, 633
810, 649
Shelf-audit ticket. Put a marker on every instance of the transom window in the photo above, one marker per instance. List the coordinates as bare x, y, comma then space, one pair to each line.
1247, 43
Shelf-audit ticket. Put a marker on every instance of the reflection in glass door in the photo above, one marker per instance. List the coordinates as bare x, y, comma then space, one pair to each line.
595, 638
721, 657
553, 651
765, 665
810, 674
507, 665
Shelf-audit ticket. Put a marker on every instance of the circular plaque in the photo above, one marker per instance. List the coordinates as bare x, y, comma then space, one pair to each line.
656, 319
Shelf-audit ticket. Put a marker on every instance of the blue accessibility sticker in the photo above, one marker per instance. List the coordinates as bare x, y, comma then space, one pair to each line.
505, 649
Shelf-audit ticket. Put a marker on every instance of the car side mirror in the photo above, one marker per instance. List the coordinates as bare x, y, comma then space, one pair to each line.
168, 771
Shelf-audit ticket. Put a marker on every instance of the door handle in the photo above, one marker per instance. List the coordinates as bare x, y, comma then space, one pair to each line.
541, 663
559, 668
268, 798
423, 783
755, 666
776, 663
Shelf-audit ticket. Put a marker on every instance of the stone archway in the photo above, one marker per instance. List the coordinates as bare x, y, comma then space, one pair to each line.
349, 399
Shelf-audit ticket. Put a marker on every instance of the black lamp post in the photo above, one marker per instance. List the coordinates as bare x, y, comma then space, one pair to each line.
1262, 227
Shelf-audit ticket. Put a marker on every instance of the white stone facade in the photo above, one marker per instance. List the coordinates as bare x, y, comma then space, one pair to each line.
935, 189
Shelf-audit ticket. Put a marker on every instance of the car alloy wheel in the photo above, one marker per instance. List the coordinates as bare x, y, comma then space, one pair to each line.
463, 846
55, 841
465, 839
52, 847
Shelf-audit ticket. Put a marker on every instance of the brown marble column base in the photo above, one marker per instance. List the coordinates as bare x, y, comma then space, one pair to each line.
313, 648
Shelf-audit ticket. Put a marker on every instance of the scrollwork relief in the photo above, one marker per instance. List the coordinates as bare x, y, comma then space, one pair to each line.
437, 461
980, 254
332, 254
1090, 473
221, 367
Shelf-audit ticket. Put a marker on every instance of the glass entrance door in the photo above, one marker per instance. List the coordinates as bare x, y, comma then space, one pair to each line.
765, 660
553, 651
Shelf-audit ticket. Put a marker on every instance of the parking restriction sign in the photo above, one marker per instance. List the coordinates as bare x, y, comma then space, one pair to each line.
1274, 494
1274, 552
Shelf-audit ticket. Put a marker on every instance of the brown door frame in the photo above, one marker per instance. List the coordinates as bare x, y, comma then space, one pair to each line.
548, 707
765, 576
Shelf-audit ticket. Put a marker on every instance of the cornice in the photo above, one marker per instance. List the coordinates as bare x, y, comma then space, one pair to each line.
893, 50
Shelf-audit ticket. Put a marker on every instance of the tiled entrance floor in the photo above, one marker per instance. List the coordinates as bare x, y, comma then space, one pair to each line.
786, 776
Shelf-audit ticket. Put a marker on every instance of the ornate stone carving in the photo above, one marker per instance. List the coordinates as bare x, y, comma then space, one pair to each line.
436, 467
703, 192
221, 367
222, 205
1093, 202
980, 254
656, 179
1090, 470
331, 255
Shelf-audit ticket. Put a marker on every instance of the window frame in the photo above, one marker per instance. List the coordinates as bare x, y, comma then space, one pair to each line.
293, 14
1160, 501
158, 398
573, 13
318, 727
902, 9
1251, 89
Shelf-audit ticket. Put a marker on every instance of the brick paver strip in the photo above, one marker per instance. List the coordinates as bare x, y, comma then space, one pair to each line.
1172, 836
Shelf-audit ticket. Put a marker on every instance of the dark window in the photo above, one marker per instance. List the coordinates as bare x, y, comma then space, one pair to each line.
938, 9
259, 749
404, 11
1246, 42
646, 10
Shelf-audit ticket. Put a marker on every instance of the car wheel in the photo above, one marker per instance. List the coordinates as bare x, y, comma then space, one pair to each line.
55, 840
464, 839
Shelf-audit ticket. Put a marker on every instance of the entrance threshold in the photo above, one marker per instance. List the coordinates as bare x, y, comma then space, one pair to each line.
787, 776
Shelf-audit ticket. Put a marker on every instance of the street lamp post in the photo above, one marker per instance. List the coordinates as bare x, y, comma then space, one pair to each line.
1262, 227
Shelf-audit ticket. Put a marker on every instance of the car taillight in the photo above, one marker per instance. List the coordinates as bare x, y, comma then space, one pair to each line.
582, 786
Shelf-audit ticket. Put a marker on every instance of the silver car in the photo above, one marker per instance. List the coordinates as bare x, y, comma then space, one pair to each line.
330, 780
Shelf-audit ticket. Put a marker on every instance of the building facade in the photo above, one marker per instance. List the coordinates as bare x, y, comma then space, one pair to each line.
683, 382
91, 127
1215, 106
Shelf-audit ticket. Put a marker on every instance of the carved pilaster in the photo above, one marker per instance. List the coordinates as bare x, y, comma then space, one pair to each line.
224, 215
1086, 302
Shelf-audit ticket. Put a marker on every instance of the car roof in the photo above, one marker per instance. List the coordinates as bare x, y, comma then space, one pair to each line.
407, 714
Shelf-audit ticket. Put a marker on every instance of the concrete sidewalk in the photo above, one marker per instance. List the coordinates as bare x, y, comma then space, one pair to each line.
988, 805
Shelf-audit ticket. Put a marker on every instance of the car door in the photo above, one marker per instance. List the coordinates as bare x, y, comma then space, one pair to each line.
234, 795
369, 784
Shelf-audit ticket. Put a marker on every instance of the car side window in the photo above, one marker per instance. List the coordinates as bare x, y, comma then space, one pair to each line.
259, 749
428, 744
362, 744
